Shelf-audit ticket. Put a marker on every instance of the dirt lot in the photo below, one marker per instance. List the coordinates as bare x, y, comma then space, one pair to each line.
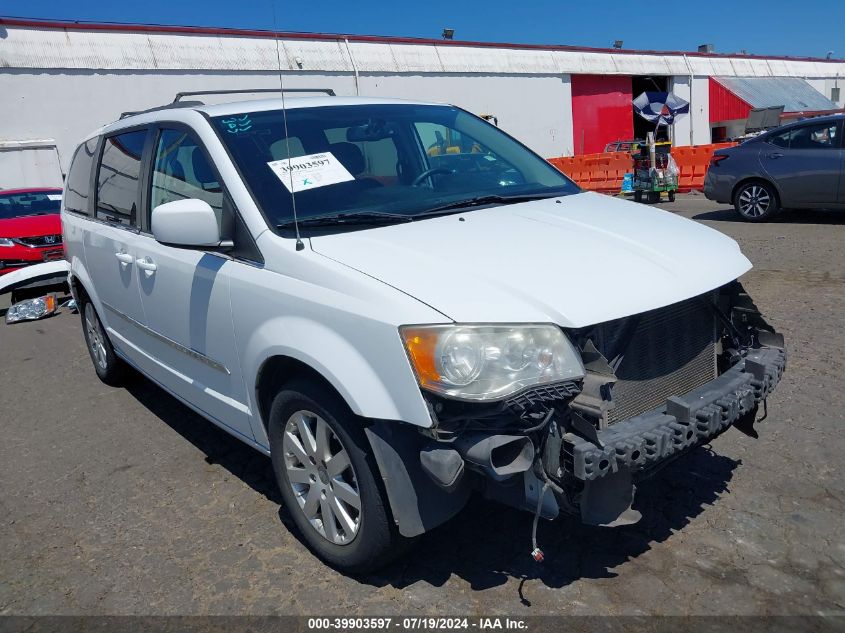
122, 501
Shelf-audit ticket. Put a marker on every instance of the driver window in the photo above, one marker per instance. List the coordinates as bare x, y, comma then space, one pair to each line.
181, 170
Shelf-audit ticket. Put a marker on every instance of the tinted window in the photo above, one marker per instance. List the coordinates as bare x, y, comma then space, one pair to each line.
79, 177
15, 205
181, 171
819, 136
781, 140
117, 180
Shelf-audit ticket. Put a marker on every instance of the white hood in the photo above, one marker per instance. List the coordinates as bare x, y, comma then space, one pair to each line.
586, 259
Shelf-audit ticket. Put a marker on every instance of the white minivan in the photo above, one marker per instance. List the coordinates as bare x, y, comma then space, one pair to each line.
402, 305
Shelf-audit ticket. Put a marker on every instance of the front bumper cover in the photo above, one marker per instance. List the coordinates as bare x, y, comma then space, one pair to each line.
642, 442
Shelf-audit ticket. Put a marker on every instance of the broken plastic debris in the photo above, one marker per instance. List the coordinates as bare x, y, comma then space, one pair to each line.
32, 309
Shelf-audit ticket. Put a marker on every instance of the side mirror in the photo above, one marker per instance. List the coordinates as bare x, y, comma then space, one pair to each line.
190, 223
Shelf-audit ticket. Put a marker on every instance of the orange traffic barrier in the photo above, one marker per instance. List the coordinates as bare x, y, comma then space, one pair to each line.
604, 172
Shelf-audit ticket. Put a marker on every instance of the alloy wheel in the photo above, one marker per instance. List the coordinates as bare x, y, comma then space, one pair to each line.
96, 338
754, 201
322, 477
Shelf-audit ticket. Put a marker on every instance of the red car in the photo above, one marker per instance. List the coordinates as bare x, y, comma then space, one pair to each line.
30, 227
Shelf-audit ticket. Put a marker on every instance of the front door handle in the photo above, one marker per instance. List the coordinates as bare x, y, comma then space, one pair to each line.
147, 265
775, 155
124, 258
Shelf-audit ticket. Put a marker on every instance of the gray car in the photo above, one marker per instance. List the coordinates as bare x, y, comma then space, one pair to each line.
796, 166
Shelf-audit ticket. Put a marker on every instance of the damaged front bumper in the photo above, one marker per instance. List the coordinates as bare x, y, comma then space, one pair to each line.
554, 449
643, 442
605, 467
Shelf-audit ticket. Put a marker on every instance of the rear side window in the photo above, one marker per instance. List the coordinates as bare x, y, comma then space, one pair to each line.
781, 140
118, 178
78, 182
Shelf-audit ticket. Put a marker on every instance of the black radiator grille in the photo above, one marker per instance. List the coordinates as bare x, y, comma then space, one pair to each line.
668, 351
41, 240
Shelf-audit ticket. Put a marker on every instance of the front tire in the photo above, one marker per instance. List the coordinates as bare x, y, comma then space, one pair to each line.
110, 369
756, 201
329, 480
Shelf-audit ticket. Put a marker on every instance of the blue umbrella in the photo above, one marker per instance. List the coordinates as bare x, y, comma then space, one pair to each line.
660, 108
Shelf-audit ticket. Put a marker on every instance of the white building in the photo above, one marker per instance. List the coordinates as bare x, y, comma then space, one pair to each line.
60, 80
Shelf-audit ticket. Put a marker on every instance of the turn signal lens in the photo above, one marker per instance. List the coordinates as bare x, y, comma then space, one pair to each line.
420, 344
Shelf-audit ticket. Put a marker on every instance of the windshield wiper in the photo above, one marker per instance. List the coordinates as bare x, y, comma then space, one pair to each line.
484, 200
363, 217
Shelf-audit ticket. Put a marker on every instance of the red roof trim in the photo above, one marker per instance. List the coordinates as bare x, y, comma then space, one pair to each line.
233, 32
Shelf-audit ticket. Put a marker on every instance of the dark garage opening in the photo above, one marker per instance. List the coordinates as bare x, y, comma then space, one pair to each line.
647, 83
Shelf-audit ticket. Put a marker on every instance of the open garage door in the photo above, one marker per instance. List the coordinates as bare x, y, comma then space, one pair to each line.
601, 111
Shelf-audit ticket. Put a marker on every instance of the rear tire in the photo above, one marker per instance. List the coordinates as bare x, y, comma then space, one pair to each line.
110, 369
310, 429
756, 201
638, 196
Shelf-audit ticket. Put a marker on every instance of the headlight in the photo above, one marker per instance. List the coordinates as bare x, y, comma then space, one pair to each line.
6, 241
487, 362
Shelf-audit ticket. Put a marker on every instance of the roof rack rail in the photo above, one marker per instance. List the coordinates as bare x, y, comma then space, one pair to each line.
195, 93
169, 106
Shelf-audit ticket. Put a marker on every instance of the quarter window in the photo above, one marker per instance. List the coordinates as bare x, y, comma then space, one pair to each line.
79, 178
117, 180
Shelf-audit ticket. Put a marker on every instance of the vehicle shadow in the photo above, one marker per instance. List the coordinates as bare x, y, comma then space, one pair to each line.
809, 216
487, 544
244, 462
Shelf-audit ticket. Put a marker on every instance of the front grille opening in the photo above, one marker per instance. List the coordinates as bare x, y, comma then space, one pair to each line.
42, 240
657, 354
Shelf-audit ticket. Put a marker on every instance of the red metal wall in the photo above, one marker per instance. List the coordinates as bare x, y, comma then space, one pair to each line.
725, 105
601, 111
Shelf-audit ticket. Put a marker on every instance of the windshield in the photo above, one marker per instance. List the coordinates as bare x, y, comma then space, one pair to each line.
15, 205
395, 160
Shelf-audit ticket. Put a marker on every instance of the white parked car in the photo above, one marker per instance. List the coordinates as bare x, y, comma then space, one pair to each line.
401, 305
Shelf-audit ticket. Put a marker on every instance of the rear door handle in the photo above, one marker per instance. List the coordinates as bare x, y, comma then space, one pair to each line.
147, 265
124, 258
775, 155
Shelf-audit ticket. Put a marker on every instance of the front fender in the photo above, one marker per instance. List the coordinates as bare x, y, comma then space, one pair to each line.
376, 384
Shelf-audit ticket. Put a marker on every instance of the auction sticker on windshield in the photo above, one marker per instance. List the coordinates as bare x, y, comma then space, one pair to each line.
309, 172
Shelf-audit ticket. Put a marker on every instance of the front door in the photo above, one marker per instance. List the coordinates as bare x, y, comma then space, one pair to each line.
111, 242
805, 163
185, 292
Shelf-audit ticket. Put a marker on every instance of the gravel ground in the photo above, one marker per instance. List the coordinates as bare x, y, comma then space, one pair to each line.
122, 501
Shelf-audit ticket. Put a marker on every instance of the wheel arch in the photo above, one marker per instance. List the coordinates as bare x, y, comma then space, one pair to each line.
279, 369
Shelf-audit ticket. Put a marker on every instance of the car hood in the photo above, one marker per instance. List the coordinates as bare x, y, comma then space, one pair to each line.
575, 261
31, 226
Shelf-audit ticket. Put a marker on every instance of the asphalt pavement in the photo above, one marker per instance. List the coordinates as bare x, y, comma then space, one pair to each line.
123, 501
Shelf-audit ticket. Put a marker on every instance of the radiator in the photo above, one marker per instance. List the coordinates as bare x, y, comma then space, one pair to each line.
657, 354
